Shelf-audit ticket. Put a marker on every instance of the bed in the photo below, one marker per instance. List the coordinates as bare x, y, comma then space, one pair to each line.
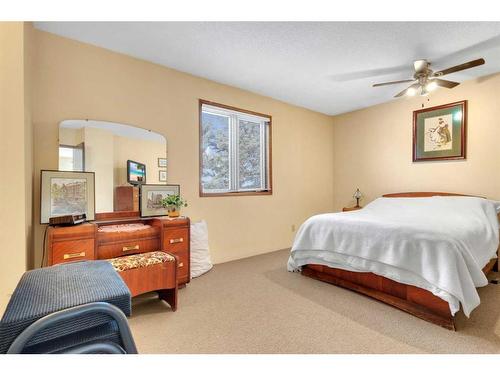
422, 252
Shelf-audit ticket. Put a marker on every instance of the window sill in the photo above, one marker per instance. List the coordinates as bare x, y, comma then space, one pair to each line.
237, 194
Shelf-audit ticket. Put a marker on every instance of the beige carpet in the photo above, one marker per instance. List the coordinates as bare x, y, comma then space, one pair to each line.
255, 306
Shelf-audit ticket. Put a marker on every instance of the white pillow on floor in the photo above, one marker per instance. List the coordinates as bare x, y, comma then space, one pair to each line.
200, 253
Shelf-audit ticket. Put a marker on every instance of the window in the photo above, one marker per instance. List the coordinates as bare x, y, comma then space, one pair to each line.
235, 154
72, 158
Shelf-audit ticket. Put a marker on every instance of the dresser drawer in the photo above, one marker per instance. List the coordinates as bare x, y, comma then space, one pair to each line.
176, 240
115, 243
127, 247
182, 266
69, 251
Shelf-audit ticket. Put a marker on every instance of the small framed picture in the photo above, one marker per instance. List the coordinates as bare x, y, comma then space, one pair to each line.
439, 133
162, 176
151, 197
162, 162
66, 193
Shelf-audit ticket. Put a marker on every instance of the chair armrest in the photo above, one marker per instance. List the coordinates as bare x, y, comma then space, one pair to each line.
73, 313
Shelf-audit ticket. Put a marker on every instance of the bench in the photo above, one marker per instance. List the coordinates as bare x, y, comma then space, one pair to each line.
149, 271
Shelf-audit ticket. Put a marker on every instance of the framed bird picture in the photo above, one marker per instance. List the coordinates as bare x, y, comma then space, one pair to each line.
439, 133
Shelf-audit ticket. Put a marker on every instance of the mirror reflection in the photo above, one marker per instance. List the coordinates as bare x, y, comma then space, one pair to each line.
121, 156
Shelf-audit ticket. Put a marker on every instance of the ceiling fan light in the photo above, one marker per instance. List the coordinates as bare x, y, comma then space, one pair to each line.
411, 91
432, 85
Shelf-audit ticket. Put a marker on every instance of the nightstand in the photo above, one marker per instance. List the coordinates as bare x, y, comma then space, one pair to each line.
345, 209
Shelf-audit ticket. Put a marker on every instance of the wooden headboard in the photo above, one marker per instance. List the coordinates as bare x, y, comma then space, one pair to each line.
423, 194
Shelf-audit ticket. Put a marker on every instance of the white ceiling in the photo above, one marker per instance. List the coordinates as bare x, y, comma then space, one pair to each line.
324, 66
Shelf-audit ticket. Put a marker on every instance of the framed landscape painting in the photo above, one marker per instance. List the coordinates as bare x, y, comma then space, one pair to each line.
439, 133
66, 193
151, 197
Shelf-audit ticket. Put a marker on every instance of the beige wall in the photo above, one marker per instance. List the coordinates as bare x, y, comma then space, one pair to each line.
75, 80
373, 147
28, 137
16, 154
70, 137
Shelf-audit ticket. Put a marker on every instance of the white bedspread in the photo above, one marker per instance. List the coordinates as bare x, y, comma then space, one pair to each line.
439, 243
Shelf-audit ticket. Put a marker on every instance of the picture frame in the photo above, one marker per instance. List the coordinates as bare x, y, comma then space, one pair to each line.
440, 132
151, 195
162, 162
66, 193
162, 176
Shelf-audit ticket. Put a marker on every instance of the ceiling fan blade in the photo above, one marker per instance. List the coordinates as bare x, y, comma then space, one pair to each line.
445, 83
457, 68
415, 86
420, 65
362, 74
392, 82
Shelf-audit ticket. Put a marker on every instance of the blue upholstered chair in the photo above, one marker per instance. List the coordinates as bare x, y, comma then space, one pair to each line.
78, 307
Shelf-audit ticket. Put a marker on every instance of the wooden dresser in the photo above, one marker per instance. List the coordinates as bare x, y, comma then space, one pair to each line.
87, 242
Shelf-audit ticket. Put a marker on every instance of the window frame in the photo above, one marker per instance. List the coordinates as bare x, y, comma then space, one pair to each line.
267, 152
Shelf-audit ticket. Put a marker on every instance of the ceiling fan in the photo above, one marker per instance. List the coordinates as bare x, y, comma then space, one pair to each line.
425, 80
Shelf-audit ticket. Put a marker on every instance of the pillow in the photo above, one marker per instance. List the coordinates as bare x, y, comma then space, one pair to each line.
200, 254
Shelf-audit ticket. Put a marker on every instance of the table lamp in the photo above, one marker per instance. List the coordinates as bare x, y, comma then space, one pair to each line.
357, 195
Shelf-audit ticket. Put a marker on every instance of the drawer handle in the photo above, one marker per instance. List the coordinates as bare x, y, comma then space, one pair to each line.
128, 248
74, 255
176, 240
181, 264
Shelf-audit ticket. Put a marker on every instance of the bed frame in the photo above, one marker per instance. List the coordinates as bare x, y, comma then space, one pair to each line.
416, 301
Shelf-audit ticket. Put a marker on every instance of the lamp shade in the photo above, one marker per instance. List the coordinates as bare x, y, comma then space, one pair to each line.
357, 194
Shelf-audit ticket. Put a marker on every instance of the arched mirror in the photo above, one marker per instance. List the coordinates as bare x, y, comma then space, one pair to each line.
121, 156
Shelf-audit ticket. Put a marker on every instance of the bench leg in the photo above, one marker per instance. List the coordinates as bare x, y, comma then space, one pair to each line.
169, 296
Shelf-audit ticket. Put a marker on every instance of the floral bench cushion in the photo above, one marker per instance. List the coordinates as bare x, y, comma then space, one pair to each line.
129, 262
